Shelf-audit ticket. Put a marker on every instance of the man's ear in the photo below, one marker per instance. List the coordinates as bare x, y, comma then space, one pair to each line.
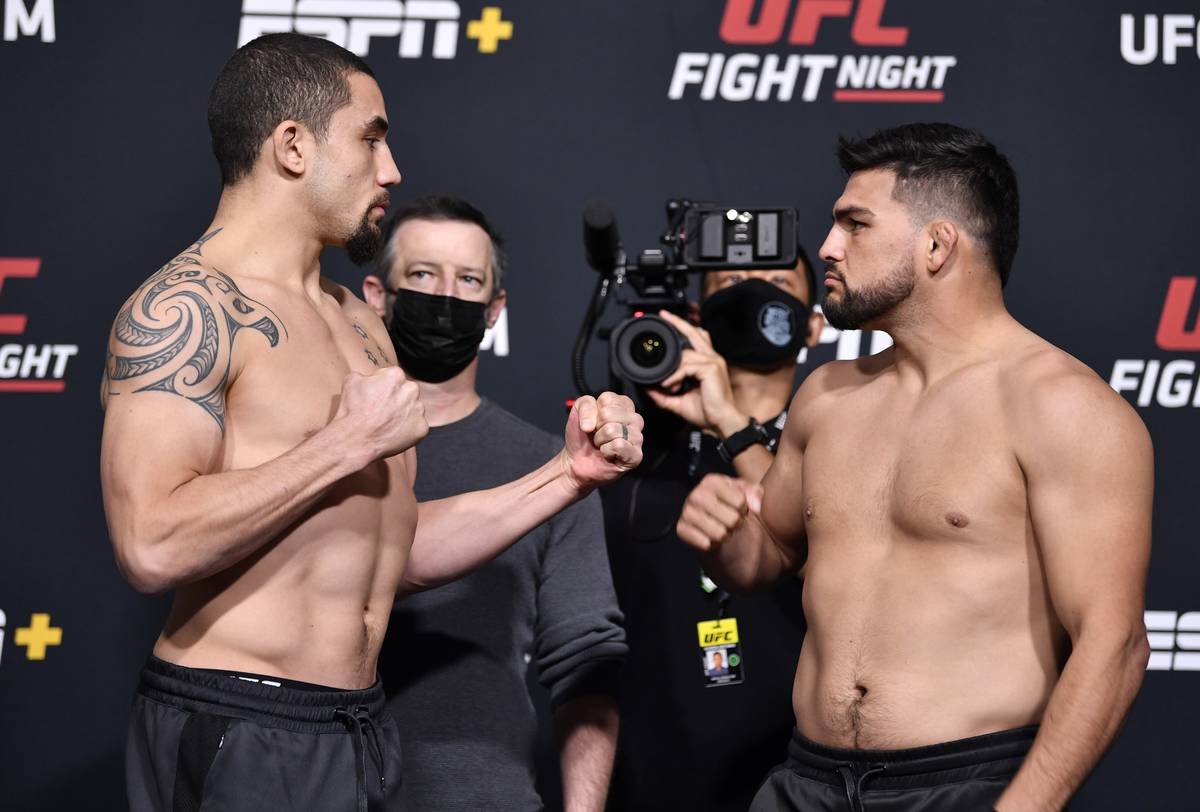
375, 295
290, 144
816, 323
492, 313
943, 240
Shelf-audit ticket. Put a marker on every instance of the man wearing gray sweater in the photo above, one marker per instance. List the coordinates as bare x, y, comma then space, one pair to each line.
455, 658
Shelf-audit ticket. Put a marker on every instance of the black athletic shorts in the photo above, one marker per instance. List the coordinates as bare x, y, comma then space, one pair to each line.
224, 740
959, 776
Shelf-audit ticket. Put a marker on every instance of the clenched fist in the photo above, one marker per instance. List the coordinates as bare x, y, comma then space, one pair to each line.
715, 509
382, 412
603, 440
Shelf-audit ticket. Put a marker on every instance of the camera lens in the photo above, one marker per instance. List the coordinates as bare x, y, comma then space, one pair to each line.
645, 350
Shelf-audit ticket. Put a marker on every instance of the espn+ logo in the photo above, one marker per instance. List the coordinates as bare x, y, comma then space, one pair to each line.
1174, 641
352, 24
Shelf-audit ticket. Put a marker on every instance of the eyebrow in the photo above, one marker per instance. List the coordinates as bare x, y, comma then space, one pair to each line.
433, 264
377, 124
850, 211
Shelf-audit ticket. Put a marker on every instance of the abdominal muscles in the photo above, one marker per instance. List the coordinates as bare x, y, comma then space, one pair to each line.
313, 605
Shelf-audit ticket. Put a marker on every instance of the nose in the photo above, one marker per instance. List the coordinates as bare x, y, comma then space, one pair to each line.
832, 250
389, 173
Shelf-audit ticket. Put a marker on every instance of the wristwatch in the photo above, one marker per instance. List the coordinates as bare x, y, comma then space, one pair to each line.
739, 441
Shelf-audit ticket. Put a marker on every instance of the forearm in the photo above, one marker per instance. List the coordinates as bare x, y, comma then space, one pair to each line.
748, 559
1087, 707
212, 521
587, 735
456, 535
752, 464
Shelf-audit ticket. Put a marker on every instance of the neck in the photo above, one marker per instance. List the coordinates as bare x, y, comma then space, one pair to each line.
263, 236
762, 395
450, 401
935, 338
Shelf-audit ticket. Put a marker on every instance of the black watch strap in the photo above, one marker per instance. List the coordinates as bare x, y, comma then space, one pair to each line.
739, 441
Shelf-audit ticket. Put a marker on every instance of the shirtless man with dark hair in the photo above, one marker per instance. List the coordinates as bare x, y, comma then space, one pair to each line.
257, 459
972, 506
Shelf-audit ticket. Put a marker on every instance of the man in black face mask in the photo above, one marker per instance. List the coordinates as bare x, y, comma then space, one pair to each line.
690, 736
466, 721
753, 325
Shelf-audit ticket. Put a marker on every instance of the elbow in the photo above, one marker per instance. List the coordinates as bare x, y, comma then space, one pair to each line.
141, 572
1139, 651
144, 561
414, 581
1124, 646
1134, 648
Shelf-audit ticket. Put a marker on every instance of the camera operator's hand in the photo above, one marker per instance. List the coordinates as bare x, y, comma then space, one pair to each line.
715, 509
710, 405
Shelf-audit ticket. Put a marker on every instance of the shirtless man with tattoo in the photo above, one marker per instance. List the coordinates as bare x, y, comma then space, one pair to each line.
973, 506
257, 459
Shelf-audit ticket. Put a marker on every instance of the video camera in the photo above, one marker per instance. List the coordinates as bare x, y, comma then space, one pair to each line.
643, 348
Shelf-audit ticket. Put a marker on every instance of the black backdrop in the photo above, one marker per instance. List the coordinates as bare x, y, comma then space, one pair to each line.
105, 172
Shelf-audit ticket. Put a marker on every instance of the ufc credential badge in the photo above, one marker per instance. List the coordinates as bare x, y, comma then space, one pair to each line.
720, 652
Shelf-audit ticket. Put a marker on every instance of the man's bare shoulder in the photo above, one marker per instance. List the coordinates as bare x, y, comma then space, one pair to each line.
842, 378
175, 333
832, 382
1049, 392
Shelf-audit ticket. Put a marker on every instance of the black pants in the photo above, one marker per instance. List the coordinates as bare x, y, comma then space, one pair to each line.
211, 740
958, 776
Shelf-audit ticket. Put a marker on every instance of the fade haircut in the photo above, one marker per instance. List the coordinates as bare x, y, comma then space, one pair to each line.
272, 79
442, 208
944, 170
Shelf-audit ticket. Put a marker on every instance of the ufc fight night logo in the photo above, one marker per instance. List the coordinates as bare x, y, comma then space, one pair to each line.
352, 24
880, 77
1168, 383
29, 367
1174, 641
1175, 33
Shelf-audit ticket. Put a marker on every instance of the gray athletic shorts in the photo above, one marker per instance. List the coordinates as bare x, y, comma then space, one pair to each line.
959, 776
224, 740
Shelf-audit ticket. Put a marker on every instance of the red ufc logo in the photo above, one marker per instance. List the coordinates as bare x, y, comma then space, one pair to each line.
738, 27
13, 323
1172, 327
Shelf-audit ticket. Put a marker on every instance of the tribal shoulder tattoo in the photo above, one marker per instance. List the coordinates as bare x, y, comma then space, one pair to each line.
176, 333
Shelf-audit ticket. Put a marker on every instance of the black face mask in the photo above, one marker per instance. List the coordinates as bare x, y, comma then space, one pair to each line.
435, 336
755, 323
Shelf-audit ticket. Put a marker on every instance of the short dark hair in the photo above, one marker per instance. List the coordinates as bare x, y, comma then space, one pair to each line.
272, 79
941, 168
810, 273
442, 208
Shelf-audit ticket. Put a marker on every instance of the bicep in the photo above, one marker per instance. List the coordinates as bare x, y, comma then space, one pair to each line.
167, 370
782, 509
1090, 487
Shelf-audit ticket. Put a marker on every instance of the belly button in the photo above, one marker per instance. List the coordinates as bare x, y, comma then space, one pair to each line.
957, 519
